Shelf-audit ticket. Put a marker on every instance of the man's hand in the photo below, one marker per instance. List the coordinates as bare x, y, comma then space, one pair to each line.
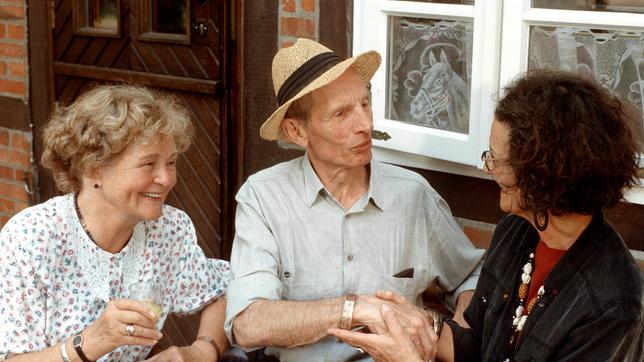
393, 343
368, 311
411, 318
461, 304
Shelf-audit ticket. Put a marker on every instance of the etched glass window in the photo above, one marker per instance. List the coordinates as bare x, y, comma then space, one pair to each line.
430, 71
169, 16
634, 6
104, 14
97, 17
614, 57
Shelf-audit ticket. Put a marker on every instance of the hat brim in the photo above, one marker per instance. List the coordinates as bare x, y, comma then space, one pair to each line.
365, 64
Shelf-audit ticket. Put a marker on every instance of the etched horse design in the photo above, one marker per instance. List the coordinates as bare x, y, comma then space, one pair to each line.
442, 101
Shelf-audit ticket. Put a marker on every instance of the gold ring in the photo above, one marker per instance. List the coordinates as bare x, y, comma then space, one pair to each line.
129, 329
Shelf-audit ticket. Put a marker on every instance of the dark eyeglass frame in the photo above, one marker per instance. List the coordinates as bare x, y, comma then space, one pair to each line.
490, 161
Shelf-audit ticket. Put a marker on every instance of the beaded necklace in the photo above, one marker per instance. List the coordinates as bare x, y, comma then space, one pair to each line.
519, 318
82, 221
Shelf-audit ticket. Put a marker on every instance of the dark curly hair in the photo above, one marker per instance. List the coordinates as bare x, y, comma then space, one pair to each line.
571, 147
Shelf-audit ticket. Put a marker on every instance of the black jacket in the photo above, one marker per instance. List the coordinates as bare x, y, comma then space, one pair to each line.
591, 311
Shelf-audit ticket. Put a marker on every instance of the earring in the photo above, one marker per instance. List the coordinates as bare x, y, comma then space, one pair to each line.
96, 186
541, 227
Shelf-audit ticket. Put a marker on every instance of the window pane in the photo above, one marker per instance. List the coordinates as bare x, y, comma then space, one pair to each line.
105, 14
634, 6
169, 16
615, 58
430, 68
459, 2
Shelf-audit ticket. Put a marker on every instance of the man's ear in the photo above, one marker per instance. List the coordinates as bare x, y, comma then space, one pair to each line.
295, 132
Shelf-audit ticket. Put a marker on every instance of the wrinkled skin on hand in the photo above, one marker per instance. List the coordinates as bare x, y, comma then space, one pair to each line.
108, 331
393, 343
368, 311
413, 320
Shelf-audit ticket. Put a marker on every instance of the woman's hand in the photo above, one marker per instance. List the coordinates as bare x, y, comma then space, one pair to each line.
414, 320
395, 344
368, 311
109, 331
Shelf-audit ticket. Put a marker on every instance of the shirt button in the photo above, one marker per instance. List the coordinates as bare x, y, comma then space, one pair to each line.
287, 275
349, 257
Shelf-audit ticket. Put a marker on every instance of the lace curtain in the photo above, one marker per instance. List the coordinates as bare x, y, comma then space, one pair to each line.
615, 58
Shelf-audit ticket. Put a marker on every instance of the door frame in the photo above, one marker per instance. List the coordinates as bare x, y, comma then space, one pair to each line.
41, 87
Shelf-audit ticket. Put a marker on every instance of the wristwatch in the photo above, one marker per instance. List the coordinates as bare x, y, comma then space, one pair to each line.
77, 343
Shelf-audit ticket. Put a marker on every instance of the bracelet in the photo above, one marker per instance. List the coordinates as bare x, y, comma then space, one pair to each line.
347, 311
437, 321
63, 352
214, 344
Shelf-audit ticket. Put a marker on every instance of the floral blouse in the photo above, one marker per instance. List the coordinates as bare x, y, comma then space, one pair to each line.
54, 281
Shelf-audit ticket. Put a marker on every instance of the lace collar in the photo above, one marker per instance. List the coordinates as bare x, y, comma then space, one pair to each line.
107, 274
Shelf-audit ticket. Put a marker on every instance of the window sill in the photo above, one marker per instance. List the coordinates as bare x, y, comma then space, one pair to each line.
633, 196
427, 163
636, 194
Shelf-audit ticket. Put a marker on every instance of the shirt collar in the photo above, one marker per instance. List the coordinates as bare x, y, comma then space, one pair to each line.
376, 192
313, 185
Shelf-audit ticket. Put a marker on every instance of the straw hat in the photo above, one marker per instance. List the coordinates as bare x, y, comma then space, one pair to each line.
304, 67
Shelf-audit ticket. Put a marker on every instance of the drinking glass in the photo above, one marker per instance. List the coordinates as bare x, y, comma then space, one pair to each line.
147, 292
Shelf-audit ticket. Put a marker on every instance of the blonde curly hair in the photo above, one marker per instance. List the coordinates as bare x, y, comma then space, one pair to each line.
102, 123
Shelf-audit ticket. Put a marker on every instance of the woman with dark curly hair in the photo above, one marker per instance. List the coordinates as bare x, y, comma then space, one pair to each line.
557, 283
69, 266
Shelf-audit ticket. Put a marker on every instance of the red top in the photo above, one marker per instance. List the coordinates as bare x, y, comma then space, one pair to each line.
544, 260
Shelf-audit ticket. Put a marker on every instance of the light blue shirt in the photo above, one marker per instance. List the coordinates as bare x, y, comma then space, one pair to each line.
294, 241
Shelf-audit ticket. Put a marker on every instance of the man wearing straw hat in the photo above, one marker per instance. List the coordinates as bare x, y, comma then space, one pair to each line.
317, 236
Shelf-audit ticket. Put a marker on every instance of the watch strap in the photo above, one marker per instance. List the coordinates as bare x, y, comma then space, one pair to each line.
79, 348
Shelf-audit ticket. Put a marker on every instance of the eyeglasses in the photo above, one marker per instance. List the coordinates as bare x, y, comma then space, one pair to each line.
490, 161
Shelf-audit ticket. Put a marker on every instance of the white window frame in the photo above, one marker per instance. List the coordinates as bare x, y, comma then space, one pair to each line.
499, 54
450, 146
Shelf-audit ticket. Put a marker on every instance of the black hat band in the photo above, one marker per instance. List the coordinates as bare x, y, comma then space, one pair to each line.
305, 74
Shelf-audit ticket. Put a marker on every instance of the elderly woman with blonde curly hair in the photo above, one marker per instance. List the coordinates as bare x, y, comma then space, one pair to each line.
66, 264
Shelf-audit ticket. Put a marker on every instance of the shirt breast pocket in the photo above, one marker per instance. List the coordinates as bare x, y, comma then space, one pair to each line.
410, 288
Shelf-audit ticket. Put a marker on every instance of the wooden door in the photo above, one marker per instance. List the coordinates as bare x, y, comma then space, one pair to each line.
178, 46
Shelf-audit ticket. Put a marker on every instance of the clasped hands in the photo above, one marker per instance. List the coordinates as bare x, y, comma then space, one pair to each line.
400, 330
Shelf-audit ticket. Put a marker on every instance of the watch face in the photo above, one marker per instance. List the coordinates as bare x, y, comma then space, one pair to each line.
77, 341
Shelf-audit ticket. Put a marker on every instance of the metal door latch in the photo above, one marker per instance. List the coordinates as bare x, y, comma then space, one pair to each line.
380, 135
201, 27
